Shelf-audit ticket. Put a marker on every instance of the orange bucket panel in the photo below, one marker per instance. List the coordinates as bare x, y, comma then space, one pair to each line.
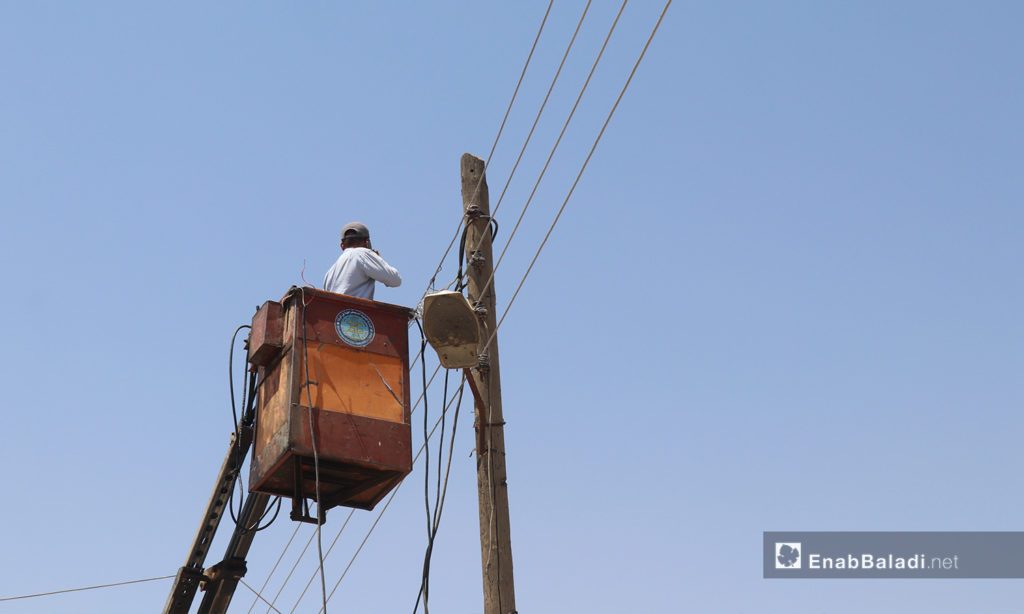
353, 382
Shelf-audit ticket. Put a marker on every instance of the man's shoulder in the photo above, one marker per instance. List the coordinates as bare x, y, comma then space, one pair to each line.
364, 253
353, 253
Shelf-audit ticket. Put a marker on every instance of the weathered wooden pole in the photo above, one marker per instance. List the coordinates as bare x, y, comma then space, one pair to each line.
495, 538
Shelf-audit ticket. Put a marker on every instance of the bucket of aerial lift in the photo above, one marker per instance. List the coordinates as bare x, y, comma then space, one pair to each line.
451, 327
340, 365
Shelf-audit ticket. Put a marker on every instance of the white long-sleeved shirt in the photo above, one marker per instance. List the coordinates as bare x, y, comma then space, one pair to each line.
356, 270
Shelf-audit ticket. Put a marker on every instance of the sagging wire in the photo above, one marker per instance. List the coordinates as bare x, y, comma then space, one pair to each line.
426, 423
380, 514
256, 528
250, 386
434, 515
441, 491
316, 452
231, 378
387, 502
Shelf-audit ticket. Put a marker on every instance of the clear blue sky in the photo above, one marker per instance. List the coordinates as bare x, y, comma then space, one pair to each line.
786, 294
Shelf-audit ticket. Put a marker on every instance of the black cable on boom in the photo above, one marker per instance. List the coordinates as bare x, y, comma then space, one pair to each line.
249, 386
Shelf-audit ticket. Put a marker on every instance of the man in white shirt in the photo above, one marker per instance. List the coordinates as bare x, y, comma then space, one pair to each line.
359, 266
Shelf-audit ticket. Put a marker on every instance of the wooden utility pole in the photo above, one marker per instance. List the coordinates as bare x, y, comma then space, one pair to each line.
495, 538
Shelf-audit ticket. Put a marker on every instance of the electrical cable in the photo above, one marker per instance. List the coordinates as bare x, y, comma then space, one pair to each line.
256, 528
492, 519
231, 499
492, 529
363, 543
391, 498
431, 522
302, 554
429, 382
310, 541
551, 155
274, 568
580, 174
255, 383
459, 282
441, 494
231, 379
424, 589
536, 120
294, 567
459, 285
522, 281
426, 423
84, 588
316, 454
258, 595
495, 144
440, 444
326, 554
250, 385
247, 386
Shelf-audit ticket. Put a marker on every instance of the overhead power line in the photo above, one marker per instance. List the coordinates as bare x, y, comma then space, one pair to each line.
540, 248
287, 578
494, 146
551, 155
536, 120
85, 588
259, 596
326, 554
580, 174
274, 568
529, 269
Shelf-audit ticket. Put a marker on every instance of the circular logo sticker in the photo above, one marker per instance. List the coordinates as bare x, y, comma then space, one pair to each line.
354, 327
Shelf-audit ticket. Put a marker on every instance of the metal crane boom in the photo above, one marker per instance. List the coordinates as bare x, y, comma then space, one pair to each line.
220, 581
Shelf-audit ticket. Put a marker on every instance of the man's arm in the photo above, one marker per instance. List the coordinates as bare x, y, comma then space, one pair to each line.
374, 266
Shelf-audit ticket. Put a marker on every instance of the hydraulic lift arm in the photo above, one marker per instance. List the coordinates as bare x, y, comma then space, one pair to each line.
221, 580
